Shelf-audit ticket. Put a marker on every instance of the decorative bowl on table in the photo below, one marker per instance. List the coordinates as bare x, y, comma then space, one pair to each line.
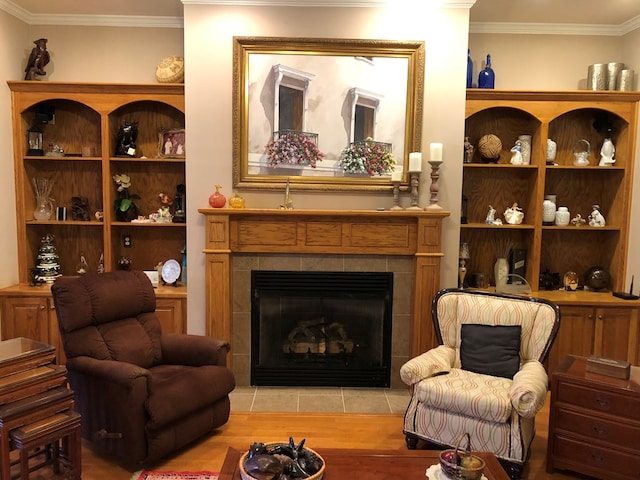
461, 464
267, 461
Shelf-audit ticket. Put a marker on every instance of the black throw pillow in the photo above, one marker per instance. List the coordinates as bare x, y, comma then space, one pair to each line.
491, 349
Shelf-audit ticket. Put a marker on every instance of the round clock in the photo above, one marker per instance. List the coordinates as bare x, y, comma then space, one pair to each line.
170, 271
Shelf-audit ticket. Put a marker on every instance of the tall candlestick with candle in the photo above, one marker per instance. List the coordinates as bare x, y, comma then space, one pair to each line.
396, 179
415, 167
435, 160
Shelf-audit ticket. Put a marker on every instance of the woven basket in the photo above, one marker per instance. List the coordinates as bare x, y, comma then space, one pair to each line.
453, 470
170, 70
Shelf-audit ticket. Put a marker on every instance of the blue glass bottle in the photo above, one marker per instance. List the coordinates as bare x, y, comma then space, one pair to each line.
469, 69
487, 77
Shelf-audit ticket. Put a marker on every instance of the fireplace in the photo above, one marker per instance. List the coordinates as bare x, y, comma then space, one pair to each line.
239, 240
321, 328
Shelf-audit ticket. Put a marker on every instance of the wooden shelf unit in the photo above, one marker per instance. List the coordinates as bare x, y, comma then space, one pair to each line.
564, 117
86, 119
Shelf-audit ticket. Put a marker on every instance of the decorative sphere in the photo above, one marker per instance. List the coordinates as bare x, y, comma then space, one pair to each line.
490, 147
597, 278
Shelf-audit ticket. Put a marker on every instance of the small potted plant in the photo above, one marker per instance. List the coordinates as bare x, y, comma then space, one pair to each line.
125, 208
367, 157
291, 147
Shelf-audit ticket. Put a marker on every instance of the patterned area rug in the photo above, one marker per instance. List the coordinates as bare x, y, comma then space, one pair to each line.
147, 475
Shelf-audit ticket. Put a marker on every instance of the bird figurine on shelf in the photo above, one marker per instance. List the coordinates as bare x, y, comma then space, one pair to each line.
38, 59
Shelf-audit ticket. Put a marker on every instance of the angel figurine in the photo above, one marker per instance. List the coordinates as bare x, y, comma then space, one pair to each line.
516, 154
596, 219
491, 215
514, 215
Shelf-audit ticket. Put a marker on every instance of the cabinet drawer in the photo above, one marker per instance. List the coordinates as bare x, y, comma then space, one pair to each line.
612, 403
594, 460
597, 428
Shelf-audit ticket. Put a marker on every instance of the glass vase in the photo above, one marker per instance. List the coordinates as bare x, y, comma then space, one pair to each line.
43, 210
487, 77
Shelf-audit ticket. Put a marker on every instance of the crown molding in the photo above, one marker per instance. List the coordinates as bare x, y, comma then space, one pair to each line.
555, 28
90, 20
327, 3
630, 25
13, 9
108, 20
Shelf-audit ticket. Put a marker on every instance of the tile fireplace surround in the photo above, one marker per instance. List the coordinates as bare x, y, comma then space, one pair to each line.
407, 243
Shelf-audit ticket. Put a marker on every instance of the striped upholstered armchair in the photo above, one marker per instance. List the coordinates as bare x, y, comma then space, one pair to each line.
486, 377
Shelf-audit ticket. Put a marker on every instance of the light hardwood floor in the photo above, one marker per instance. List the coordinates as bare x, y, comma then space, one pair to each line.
333, 430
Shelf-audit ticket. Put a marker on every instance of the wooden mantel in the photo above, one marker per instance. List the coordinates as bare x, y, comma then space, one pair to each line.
341, 232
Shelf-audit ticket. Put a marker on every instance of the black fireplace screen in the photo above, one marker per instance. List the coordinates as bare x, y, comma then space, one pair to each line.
321, 328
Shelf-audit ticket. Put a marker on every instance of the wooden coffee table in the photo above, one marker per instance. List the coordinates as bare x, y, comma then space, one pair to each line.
374, 464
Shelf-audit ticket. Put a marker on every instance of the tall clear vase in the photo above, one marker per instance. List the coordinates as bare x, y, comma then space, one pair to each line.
501, 272
43, 210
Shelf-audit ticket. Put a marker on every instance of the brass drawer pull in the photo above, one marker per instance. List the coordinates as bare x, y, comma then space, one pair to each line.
598, 457
599, 429
601, 402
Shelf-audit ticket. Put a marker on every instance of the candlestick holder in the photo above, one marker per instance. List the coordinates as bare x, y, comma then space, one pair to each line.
434, 189
396, 195
415, 181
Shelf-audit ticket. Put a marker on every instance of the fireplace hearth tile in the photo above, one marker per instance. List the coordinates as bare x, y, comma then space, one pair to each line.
319, 399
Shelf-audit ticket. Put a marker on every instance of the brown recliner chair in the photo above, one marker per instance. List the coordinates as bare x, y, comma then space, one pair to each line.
142, 394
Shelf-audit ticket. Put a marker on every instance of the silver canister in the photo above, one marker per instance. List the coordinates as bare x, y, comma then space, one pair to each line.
625, 79
613, 71
597, 76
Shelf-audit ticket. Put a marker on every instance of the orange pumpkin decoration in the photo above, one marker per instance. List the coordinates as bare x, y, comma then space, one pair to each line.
217, 200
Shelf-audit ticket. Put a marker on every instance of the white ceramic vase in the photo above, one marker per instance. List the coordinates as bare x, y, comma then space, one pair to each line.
548, 212
501, 272
552, 149
563, 216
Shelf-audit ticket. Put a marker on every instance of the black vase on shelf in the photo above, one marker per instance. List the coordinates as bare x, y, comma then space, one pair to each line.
487, 77
127, 215
469, 70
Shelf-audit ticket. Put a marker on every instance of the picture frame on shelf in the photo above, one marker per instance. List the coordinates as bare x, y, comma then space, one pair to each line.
172, 143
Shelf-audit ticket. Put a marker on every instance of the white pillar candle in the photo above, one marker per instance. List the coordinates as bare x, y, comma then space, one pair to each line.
415, 162
396, 176
436, 152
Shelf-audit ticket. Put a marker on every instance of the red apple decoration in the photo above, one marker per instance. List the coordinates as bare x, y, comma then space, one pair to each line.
217, 200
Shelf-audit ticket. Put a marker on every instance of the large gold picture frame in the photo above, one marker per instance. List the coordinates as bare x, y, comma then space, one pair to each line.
331, 75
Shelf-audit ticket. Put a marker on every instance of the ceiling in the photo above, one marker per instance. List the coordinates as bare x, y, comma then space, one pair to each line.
612, 13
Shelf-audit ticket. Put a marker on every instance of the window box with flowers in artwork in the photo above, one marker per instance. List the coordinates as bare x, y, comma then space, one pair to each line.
293, 148
367, 157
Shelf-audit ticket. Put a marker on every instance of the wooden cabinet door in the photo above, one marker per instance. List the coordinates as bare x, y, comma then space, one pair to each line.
25, 317
616, 333
171, 313
575, 336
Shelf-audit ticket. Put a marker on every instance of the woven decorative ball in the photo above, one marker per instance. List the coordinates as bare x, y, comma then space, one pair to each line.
490, 146
170, 70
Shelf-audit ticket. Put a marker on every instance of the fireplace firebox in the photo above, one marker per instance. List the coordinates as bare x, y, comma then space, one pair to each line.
321, 328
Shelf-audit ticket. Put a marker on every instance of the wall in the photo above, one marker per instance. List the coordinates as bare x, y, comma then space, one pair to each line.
209, 31
107, 54
131, 54
12, 63
542, 62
